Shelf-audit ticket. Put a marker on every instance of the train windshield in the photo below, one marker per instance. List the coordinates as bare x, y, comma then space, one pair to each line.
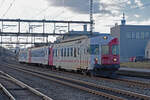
93, 49
115, 50
105, 49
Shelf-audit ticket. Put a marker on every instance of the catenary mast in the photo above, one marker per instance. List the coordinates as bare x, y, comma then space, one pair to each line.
91, 16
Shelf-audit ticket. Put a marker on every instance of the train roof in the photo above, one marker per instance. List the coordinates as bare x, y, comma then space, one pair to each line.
75, 38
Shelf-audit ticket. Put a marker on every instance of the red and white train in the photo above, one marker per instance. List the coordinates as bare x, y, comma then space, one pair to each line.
96, 55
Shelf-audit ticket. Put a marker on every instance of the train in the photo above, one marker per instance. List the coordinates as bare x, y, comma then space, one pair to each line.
94, 55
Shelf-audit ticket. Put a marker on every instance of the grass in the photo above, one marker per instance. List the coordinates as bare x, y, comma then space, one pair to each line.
145, 65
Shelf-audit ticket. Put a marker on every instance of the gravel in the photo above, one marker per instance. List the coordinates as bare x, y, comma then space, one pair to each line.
61, 92
18, 92
118, 85
136, 79
3, 96
52, 89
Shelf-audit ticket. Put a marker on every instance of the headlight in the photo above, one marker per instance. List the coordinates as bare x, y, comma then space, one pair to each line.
105, 37
96, 59
115, 59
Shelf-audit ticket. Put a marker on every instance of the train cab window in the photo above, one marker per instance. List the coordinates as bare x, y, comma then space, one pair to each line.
93, 49
115, 50
71, 51
105, 49
75, 52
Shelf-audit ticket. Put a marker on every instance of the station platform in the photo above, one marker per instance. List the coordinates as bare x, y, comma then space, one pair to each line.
137, 72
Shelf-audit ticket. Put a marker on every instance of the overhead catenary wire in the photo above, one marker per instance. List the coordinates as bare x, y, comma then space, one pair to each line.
11, 4
42, 11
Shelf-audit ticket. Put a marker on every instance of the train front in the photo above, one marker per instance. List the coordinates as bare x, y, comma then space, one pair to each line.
110, 58
109, 61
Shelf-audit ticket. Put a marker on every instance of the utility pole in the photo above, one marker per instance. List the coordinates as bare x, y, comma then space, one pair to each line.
91, 17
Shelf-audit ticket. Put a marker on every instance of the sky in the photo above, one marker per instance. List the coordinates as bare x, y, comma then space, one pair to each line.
106, 12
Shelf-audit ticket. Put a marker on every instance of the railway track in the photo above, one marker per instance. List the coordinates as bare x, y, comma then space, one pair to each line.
130, 83
20, 90
107, 92
6, 92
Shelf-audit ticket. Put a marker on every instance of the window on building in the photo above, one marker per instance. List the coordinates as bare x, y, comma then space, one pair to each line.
147, 54
147, 35
129, 35
142, 35
133, 35
137, 35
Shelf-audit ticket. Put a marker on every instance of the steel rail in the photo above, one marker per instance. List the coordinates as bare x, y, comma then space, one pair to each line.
23, 85
118, 91
7, 92
106, 95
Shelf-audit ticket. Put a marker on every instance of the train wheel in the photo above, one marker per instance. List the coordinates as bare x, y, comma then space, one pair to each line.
92, 74
59, 68
84, 72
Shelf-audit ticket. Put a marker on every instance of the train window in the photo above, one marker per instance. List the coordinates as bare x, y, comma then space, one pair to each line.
71, 51
105, 49
78, 51
65, 52
68, 52
49, 51
93, 49
115, 49
75, 52
62, 52
56, 52
37, 53
53, 52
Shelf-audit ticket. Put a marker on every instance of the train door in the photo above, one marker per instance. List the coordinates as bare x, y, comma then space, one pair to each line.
50, 56
29, 55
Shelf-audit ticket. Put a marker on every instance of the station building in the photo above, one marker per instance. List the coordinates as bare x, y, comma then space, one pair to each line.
133, 39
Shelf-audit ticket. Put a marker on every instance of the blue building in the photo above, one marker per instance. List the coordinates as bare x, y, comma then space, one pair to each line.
133, 39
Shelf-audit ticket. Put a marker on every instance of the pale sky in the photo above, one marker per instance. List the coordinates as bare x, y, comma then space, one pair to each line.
106, 12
